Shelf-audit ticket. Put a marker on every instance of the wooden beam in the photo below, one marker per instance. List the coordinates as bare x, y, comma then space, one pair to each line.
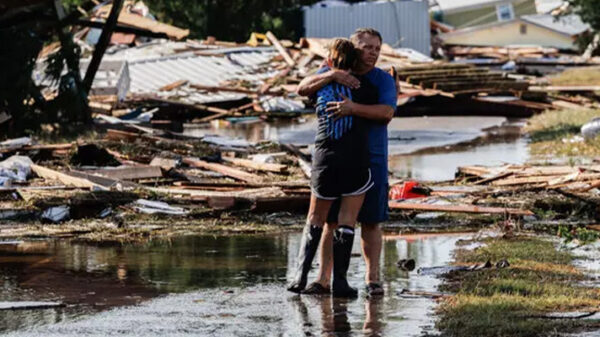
102, 44
457, 208
173, 85
286, 56
268, 84
130, 173
483, 86
277, 168
46, 173
122, 29
141, 22
225, 170
294, 184
565, 88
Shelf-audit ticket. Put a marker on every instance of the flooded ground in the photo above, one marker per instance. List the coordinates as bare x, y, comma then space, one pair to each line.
235, 285
230, 286
426, 148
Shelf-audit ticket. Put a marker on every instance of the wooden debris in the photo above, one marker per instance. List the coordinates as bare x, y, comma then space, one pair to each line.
67, 179
164, 163
576, 88
130, 173
286, 56
225, 170
145, 23
457, 208
278, 168
268, 84
173, 85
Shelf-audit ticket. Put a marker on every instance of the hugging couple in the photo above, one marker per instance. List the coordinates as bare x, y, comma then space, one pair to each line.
354, 103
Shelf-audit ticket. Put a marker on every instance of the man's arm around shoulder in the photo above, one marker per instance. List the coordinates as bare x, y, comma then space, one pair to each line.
311, 84
382, 112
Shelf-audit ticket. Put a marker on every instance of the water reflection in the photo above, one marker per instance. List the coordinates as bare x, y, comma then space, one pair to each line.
234, 284
442, 166
406, 135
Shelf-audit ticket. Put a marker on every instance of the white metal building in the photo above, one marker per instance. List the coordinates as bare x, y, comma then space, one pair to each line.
401, 23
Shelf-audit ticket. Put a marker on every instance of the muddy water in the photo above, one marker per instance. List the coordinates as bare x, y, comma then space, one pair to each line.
226, 286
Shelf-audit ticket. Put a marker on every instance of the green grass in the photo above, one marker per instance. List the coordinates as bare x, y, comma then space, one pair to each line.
509, 301
578, 76
548, 130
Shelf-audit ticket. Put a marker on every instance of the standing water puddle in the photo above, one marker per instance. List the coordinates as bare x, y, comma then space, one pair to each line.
226, 286
410, 138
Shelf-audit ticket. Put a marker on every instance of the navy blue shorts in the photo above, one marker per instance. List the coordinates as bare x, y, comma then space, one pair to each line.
375, 207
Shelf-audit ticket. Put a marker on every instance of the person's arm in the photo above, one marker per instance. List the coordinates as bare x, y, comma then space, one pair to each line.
382, 112
378, 112
311, 84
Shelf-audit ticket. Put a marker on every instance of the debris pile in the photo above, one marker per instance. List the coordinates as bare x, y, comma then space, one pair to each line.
541, 193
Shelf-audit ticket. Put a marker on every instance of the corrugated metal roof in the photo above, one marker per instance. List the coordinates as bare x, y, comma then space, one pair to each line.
148, 75
569, 25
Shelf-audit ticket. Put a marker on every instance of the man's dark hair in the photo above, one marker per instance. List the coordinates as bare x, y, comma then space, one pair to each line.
343, 55
369, 31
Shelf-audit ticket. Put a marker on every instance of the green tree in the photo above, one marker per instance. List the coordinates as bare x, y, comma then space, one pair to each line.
589, 11
232, 20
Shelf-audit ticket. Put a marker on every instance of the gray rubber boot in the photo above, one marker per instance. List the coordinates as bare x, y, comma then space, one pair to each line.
343, 238
311, 236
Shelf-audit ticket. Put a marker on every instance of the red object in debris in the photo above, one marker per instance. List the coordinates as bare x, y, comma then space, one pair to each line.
404, 191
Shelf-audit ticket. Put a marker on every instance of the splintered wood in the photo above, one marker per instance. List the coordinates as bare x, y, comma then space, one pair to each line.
579, 178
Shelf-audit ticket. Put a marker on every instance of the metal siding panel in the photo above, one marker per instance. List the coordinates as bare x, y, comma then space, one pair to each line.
413, 22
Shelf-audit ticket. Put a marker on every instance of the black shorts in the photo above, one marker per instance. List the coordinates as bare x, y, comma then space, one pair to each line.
330, 183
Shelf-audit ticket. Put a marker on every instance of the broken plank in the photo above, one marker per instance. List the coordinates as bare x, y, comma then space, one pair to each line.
566, 88
173, 85
294, 184
457, 208
268, 84
146, 23
130, 173
165, 163
293, 203
65, 146
224, 89
202, 195
225, 170
306, 167
524, 180
277, 168
46, 173
494, 178
284, 53
482, 86
295, 150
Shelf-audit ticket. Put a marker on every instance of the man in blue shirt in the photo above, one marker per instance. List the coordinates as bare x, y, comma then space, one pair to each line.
375, 207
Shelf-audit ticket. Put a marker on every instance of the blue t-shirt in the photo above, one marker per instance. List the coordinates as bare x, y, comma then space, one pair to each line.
378, 140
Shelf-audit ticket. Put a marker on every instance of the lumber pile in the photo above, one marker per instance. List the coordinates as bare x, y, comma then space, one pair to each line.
503, 53
459, 78
568, 178
137, 163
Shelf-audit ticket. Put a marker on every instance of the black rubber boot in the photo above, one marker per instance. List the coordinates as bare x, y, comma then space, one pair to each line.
311, 236
343, 238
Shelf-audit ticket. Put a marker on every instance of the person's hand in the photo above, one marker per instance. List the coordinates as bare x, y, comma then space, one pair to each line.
344, 78
341, 108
